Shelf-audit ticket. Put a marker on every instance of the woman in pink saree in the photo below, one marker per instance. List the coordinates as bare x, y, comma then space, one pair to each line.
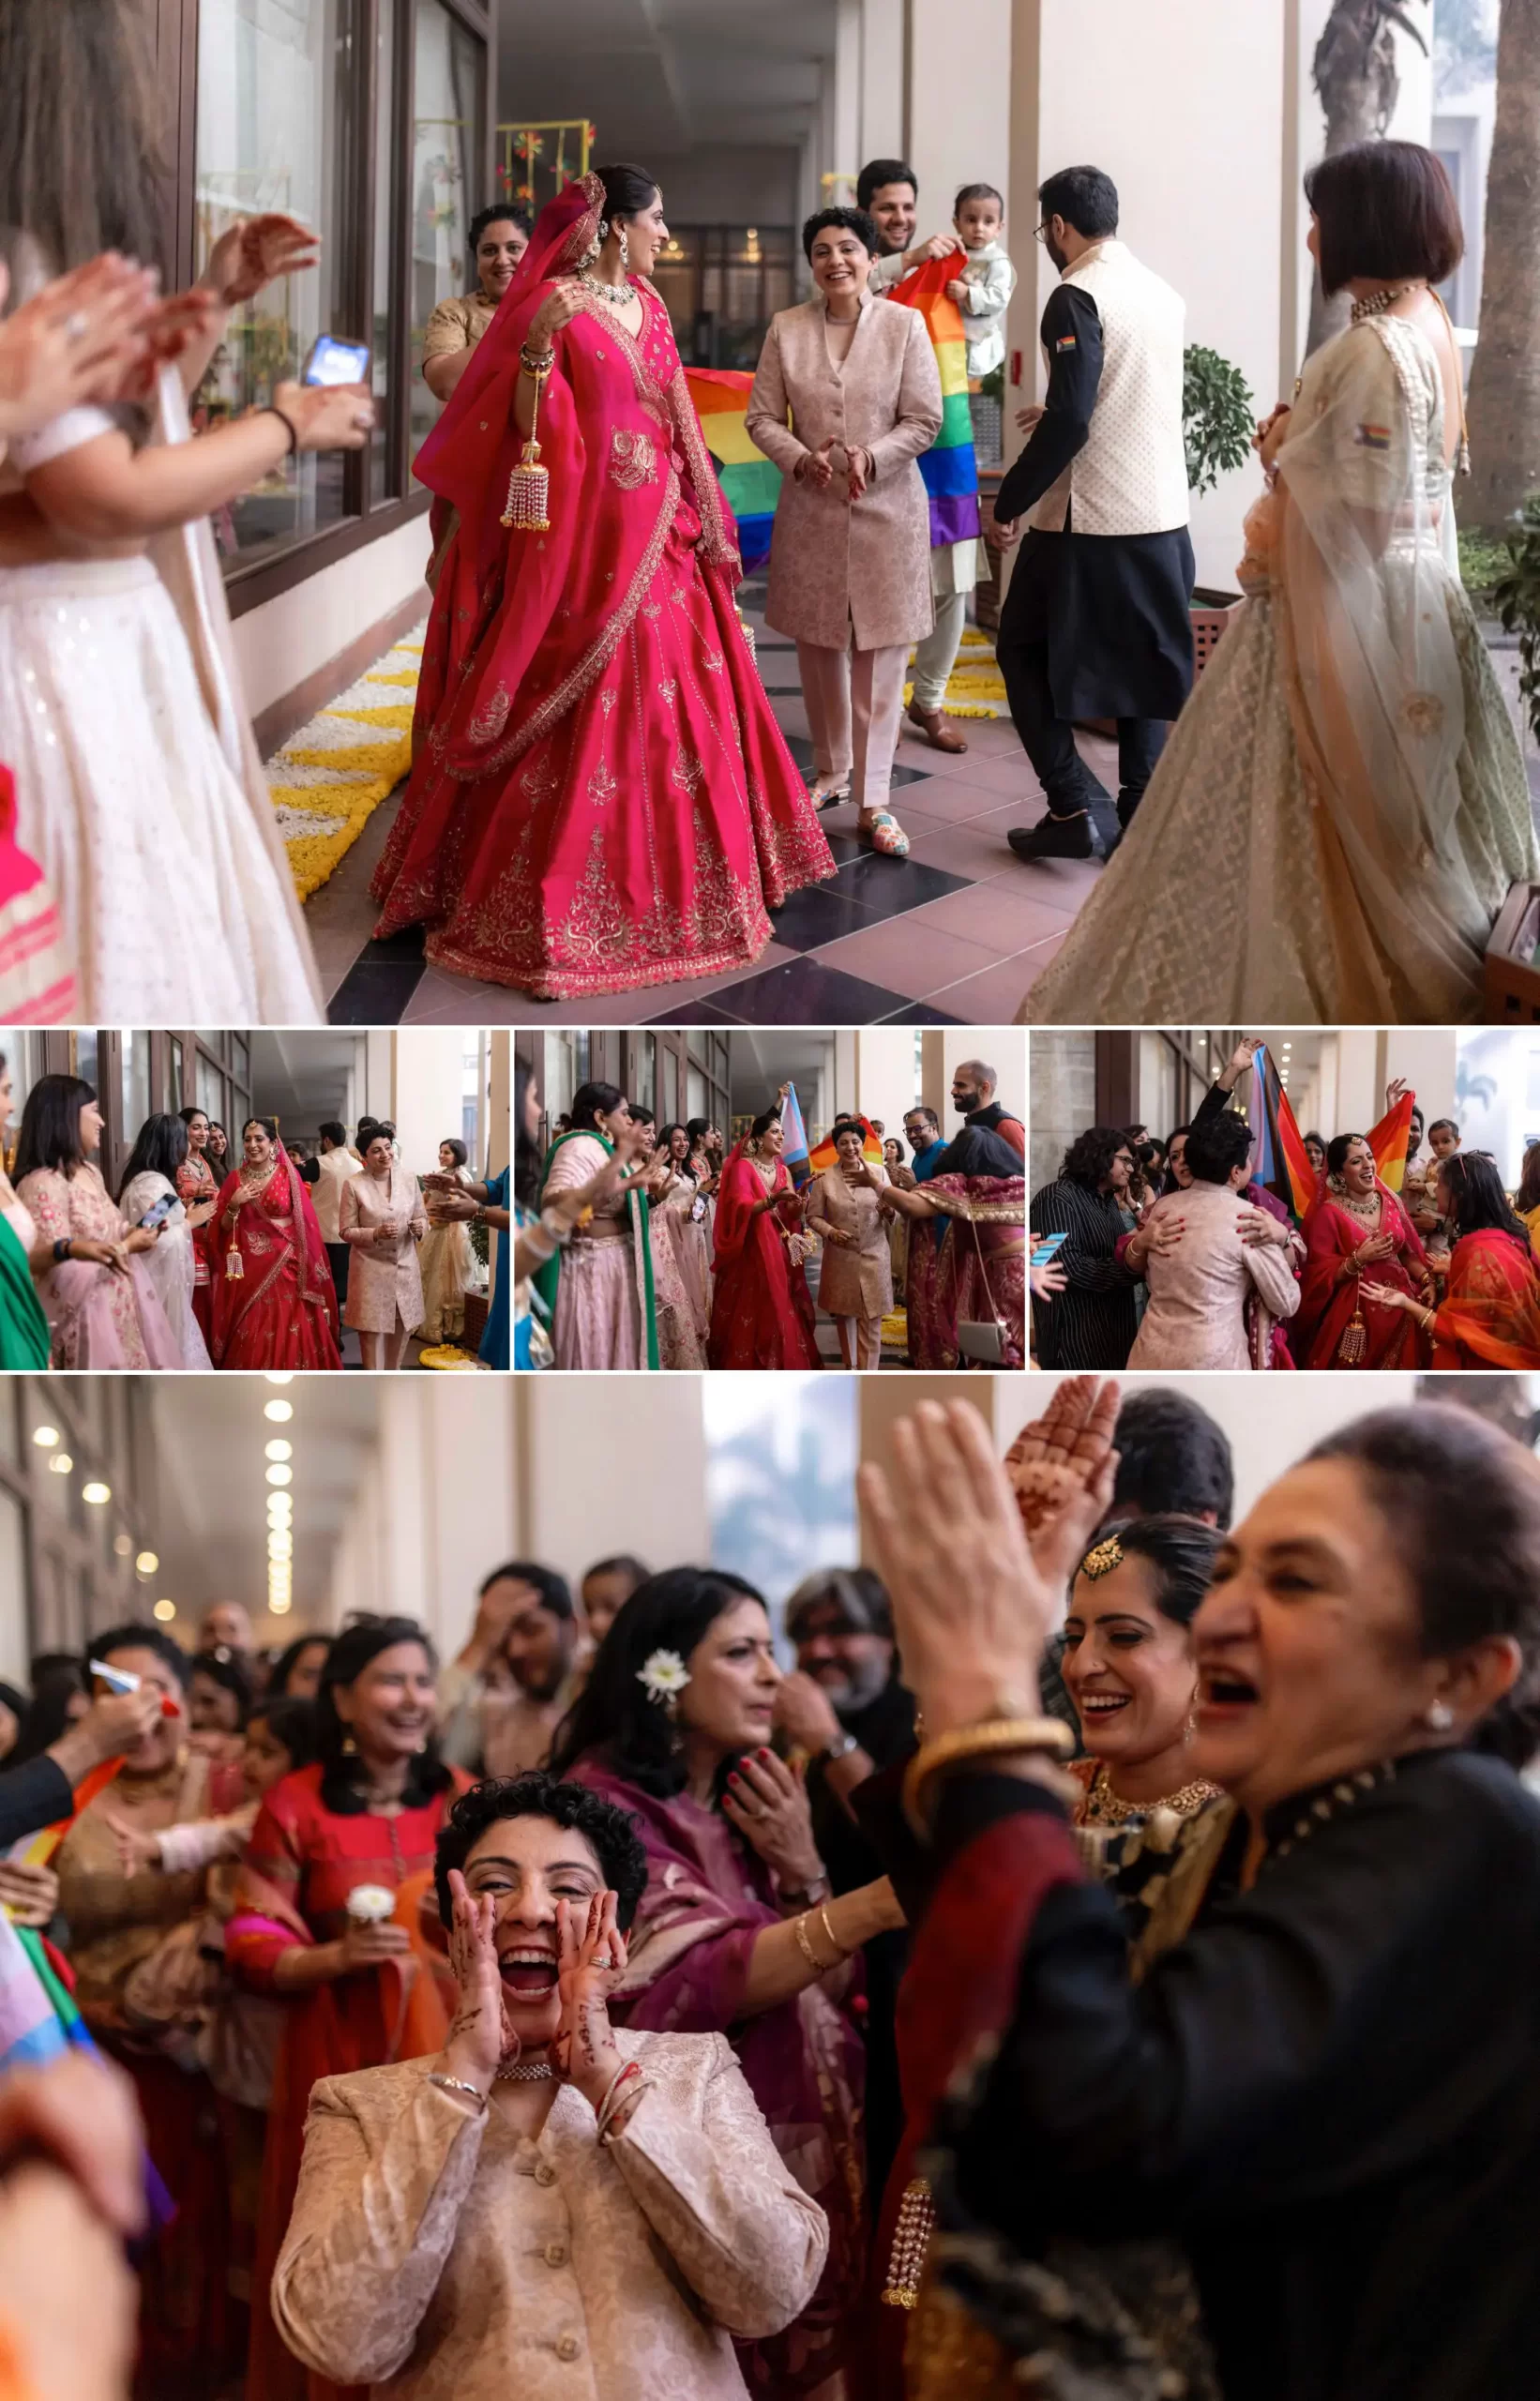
735, 1933
102, 1308
761, 1312
275, 1304
601, 799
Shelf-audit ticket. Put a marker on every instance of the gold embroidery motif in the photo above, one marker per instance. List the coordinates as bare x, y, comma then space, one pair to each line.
713, 663
1423, 712
540, 781
487, 723
668, 687
687, 773
607, 701
603, 785
633, 458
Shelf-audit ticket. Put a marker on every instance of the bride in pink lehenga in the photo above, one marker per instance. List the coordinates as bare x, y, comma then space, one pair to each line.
601, 799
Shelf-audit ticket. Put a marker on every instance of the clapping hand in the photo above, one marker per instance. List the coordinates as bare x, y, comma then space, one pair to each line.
1061, 1468
973, 1607
816, 467
255, 251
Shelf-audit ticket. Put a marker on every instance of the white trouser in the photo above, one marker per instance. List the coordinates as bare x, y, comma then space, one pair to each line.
937, 654
854, 702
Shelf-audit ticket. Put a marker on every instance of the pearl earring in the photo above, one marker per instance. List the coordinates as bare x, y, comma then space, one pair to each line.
1438, 1717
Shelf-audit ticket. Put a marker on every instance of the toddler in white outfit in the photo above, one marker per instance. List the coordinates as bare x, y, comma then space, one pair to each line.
984, 288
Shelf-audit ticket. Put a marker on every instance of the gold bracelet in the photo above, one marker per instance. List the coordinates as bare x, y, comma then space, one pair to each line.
820, 1967
996, 1735
840, 1950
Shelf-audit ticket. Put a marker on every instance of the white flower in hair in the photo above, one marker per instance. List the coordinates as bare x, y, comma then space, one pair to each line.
664, 1674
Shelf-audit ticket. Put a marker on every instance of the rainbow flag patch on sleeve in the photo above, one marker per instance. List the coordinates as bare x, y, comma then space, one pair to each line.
1372, 437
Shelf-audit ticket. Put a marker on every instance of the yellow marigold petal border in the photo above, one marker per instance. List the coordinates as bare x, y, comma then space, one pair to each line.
341, 782
975, 679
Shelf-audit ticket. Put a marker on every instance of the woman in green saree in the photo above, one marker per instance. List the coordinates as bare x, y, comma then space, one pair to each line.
600, 1286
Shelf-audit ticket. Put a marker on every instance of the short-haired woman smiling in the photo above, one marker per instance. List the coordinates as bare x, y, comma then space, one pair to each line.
549, 2207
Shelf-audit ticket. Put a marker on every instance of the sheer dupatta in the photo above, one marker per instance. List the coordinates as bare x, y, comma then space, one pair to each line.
1492, 1310
621, 444
1364, 569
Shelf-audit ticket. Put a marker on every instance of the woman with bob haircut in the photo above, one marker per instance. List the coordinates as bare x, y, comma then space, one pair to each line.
1342, 808
846, 397
549, 2203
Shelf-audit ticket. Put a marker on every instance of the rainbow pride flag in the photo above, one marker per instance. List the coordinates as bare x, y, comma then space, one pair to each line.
824, 1155
948, 469
1390, 1141
751, 481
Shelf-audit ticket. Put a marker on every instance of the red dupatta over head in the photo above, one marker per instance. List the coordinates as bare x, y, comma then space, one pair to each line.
623, 448
1492, 1304
283, 1195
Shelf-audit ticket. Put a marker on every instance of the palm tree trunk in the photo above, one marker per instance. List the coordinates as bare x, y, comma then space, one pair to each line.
1354, 73
1504, 403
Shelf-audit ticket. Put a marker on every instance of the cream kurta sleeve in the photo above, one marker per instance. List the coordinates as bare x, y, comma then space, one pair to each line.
770, 405
371, 2230
739, 2228
917, 417
1267, 1264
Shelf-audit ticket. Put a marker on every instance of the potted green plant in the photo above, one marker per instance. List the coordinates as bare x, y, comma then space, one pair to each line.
1515, 600
1219, 418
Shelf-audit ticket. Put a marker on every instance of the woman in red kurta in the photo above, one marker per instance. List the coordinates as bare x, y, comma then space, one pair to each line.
362, 1992
761, 1312
274, 1304
1359, 1242
1489, 1316
601, 795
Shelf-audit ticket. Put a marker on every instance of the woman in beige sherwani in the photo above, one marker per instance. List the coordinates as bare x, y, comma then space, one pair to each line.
549, 2208
382, 1218
850, 558
855, 1280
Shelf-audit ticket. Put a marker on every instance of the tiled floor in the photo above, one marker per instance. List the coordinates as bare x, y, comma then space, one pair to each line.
953, 935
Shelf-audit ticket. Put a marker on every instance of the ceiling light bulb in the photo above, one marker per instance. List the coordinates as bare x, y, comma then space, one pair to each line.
278, 1380
279, 1449
61, 1463
278, 1412
278, 1606
96, 1493
280, 1545
280, 1505
45, 1437
281, 1475
147, 1564
165, 1612
122, 1544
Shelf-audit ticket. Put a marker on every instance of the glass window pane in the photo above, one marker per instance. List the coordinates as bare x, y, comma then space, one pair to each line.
277, 130
646, 1071
136, 1084
85, 1056
15, 1632
446, 174
174, 1063
382, 349
210, 1090
240, 1057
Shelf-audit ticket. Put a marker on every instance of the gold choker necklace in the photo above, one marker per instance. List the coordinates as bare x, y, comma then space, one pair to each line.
1104, 1807
615, 295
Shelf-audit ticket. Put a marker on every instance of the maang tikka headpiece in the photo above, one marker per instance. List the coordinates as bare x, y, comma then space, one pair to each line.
1101, 1561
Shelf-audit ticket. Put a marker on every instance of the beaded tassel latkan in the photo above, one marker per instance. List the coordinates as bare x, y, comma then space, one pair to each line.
916, 2222
529, 485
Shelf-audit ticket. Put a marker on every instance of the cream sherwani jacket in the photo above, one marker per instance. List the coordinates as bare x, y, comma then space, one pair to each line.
434, 2255
834, 563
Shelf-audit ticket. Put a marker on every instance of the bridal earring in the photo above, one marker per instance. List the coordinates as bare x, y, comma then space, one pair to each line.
596, 245
350, 1748
1437, 1717
625, 253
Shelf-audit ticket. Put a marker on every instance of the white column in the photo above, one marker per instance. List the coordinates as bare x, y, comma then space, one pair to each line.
1426, 1058
882, 64
376, 1083
429, 1064
885, 1081
959, 101
844, 160
611, 1463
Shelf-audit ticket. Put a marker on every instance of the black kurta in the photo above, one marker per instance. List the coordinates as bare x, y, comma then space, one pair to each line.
1112, 608
1330, 2092
1092, 1324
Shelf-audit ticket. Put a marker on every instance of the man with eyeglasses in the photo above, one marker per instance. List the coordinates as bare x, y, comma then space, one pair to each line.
1097, 623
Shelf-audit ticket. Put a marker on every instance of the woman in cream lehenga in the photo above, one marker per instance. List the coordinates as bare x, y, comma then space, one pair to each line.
1343, 807
445, 1257
137, 785
681, 1271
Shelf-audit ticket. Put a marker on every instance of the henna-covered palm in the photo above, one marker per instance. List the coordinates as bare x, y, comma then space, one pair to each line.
1061, 1468
590, 1957
255, 252
480, 2033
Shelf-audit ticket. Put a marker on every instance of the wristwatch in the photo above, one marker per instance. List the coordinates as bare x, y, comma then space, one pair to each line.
841, 1749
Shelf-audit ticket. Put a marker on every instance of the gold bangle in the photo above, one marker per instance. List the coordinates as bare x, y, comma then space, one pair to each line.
840, 1950
996, 1735
820, 1967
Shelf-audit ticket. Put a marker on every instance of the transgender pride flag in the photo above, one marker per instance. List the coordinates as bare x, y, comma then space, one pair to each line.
948, 469
793, 1148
